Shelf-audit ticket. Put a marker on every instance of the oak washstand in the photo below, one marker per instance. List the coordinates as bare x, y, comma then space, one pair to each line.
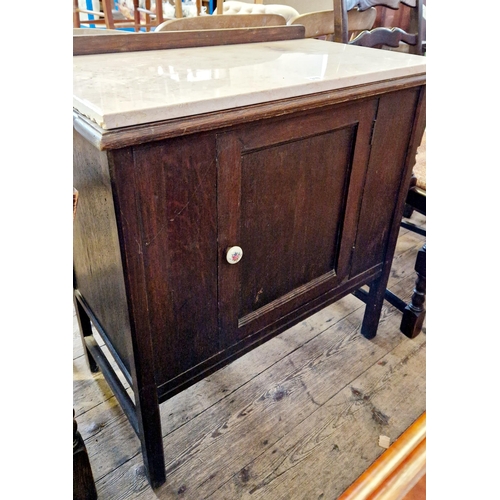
226, 193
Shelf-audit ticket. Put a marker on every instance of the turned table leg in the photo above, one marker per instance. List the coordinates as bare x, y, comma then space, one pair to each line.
414, 313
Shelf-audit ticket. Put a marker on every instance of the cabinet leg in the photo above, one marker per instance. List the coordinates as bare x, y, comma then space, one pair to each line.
408, 211
83, 480
414, 313
150, 435
373, 309
144, 415
85, 331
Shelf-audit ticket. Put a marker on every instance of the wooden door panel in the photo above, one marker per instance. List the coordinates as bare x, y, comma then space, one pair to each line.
292, 195
286, 190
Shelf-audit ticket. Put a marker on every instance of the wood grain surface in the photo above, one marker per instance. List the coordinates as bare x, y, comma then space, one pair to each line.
296, 418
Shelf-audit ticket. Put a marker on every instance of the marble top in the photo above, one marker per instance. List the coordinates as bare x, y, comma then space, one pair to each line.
122, 89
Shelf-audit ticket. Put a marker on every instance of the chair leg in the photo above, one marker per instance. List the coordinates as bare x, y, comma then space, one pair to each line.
108, 14
408, 211
83, 480
414, 313
76, 14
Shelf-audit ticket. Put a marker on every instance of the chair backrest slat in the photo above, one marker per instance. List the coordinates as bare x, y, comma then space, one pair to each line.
410, 37
321, 24
382, 36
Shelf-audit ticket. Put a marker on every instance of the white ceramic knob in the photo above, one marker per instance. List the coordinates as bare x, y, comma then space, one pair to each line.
234, 255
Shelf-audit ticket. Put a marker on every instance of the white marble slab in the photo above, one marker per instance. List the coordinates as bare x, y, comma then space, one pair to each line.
123, 89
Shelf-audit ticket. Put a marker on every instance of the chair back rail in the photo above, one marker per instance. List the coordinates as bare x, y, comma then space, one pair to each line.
321, 24
382, 36
395, 37
221, 22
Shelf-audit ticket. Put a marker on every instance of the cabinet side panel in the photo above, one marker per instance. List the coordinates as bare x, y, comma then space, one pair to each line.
96, 251
386, 172
176, 204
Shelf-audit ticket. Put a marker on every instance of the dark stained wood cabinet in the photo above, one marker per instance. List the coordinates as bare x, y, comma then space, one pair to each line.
311, 188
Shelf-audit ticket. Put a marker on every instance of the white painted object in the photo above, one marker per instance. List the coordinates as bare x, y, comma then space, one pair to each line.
131, 88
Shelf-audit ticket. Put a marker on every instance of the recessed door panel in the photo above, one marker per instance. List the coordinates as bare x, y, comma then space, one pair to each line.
292, 205
288, 195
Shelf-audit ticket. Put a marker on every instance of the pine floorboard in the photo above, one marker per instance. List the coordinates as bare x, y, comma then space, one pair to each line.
296, 418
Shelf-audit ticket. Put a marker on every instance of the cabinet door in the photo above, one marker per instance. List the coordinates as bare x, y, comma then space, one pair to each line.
288, 194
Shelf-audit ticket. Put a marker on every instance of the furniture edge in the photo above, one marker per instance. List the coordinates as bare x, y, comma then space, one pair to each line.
138, 134
397, 470
137, 42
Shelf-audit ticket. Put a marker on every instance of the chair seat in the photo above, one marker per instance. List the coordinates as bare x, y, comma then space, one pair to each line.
419, 168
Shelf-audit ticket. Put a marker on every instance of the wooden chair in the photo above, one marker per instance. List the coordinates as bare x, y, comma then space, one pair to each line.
152, 18
137, 14
416, 200
414, 311
321, 24
392, 37
221, 22
178, 8
103, 17
411, 40
147, 10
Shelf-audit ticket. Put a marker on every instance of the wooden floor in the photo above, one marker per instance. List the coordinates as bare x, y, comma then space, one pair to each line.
298, 418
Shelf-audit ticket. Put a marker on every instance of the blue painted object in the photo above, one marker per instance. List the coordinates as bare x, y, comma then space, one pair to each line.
90, 16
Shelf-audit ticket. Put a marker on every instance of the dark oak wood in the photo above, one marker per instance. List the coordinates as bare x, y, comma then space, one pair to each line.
279, 386
414, 313
98, 270
165, 197
288, 262
381, 36
298, 190
85, 328
389, 152
411, 33
384, 37
83, 479
84, 45
401, 17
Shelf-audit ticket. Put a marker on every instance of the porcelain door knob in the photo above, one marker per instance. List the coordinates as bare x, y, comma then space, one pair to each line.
234, 255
